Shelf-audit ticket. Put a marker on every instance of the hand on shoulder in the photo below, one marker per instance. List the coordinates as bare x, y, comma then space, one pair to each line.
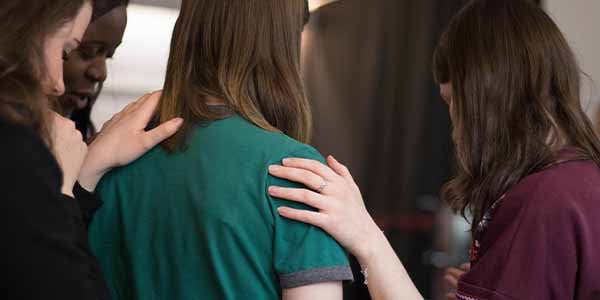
124, 139
331, 190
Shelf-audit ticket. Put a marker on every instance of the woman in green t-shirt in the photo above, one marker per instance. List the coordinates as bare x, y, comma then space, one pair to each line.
193, 219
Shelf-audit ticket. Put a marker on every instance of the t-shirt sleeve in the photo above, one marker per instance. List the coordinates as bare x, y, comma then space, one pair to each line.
304, 254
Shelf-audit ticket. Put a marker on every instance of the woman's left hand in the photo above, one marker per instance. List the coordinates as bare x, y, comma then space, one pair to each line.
334, 193
451, 278
124, 139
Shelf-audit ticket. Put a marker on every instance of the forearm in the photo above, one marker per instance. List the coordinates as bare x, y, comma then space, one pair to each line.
387, 279
90, 180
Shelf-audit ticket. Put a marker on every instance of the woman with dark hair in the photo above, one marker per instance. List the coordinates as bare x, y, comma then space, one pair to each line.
192, 219
85, 68
528, 165
44, 211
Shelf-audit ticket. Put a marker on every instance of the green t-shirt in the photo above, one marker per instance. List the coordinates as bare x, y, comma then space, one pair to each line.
199, 224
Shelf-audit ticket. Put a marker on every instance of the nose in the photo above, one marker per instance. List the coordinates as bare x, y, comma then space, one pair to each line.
58, 88
97, 71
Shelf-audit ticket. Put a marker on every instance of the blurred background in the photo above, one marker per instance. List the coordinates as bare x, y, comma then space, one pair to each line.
367, 71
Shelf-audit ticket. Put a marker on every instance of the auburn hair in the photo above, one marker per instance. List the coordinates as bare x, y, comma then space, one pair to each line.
243, 52
25, 25
515, 101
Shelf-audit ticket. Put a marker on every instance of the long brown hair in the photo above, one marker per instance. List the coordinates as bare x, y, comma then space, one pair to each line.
244, 52
24, 27
516, 101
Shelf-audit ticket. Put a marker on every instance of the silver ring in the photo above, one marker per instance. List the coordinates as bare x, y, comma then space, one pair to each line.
322, 186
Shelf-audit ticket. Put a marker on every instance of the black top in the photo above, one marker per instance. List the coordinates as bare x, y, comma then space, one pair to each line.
45, 252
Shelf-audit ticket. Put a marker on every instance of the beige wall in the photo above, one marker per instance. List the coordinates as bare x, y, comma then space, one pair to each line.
175, 4
139, 64
580, 22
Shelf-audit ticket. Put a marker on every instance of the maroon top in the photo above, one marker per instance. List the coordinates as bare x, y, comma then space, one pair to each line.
542, 240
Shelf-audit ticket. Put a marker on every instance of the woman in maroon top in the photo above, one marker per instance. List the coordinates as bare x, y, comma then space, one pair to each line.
527, 166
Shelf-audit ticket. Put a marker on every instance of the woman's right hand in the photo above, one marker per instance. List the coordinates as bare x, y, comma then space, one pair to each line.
342, 212
68, 149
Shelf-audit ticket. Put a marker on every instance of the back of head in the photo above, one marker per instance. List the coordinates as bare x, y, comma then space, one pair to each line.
515, 98
243, 52
25, 24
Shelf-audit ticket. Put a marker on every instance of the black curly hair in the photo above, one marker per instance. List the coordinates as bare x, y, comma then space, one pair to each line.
102, 7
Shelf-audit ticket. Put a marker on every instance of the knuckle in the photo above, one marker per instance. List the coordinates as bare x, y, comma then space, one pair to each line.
316, 178
147, 144
325, 222
305, 195
295, 173
294, 214
305, 174
62, 123
70, 123
166, 131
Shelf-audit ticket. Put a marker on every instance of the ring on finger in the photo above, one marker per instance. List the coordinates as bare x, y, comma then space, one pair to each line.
322, 186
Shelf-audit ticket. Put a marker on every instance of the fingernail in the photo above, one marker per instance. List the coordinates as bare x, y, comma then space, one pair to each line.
272, 189
281, 209
179, 121
273, 168
286, 160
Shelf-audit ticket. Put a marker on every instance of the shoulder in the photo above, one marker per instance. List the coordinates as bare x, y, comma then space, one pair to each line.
541, 223
15, 137
560, 200
26, 155
21, 145
239, 135
560, 189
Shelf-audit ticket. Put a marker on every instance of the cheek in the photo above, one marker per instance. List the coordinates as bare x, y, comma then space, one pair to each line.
74, 69
55, 72
53, 75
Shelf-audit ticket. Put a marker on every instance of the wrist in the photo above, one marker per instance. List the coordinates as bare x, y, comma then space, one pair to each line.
90, 181
92, 171
372, 246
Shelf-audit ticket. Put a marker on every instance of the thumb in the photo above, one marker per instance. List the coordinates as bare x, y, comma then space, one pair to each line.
162, 132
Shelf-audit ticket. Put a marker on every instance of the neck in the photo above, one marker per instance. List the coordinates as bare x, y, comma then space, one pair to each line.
211, 101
